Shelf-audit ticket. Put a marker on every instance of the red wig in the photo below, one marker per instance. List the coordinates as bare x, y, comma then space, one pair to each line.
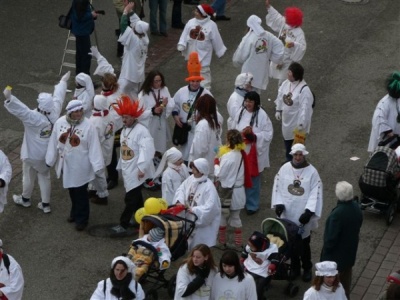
125, 106
294, 16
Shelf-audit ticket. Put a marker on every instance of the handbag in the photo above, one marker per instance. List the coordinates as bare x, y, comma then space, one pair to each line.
180, 135
65, 21
225, 194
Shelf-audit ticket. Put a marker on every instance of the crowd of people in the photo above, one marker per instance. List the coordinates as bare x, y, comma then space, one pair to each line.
213, 175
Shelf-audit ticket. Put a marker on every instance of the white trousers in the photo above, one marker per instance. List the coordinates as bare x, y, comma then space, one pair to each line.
230, 217
32, 170
206, 73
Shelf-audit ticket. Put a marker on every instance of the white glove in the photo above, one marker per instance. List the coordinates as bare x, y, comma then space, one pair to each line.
278, 115
66, 76
95, 52
7, 93
181, 48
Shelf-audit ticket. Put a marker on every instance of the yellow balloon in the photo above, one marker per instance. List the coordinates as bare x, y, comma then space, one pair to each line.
152, 206
139, 214
163, 203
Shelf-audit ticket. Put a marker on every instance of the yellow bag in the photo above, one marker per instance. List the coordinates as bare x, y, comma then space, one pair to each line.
299, 136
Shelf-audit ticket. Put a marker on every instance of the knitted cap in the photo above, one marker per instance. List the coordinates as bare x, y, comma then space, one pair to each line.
45, 102
293, 16
259, 241
394, 277
194, 67
156, 234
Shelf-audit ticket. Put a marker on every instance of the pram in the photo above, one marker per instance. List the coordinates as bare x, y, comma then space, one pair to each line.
285, 234
376, 199
177, 231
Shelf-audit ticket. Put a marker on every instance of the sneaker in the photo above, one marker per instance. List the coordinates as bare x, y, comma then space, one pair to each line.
46, 209
118, 231
19, 201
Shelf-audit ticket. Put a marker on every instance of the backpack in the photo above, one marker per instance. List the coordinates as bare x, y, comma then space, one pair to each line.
313, 103
6, 260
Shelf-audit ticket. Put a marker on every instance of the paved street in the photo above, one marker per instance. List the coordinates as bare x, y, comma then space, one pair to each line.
351, 48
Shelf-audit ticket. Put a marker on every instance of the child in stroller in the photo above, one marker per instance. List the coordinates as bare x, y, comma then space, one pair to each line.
260, 259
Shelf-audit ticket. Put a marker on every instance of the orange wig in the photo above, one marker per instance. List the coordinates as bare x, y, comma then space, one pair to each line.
126, 106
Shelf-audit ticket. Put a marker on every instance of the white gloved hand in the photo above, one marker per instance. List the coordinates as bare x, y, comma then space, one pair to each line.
278, 115
66, 76
7, 93
181, 48
95, 52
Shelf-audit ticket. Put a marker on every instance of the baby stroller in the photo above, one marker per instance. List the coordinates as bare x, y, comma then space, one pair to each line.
285, 234
377, 199
177, 231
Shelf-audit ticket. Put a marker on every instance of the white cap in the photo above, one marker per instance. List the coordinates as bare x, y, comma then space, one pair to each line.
243, 79
172, 155
45, 102
299, 148
74, 105
126, 260
254, 23
326, 268
141, 27
201, 164
100, 102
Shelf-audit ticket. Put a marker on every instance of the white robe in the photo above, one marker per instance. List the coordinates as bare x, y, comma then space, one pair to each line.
229, 175
99, 292
262, 269
5, 174
171, 180
14, 282
78, 163
264, 132
300, 112
137, 154
295, 205
296, 35
184, 99
183, 278
325, 293
384, 119
208, 39
254, 55
234, 104
86, 95
205, 205
105, 129
157, 125
231, 288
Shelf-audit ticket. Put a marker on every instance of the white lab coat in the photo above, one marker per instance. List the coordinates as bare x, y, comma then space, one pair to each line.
234, 104
5, 174
105, 129
13, 282
171, 180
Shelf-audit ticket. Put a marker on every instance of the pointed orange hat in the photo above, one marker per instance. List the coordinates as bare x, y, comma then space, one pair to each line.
194, 67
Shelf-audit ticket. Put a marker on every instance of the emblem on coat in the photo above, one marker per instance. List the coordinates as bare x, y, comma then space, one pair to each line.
261, 46
197, 33
73, 137
45, 132
126, 152
295, 188
185, 107
287, 99
109, 131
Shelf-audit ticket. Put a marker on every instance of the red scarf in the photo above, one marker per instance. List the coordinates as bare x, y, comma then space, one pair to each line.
247, 177
101, 113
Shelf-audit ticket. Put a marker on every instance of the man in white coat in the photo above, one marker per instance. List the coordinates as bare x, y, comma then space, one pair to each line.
292, 36
199, 195
257, 48
297, 196
84, 91
75, 150
11, 277
135, 162
5, 178
38, 125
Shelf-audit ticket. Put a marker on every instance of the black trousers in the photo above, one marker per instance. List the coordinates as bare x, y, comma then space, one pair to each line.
82, 57
133, 201
176, 18
304, 255
112, 172
288, 148
261, 284
80, 204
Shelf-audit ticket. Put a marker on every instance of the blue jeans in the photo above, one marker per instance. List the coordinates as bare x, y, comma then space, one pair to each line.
219, 7
253, 194
154, 5
80, 204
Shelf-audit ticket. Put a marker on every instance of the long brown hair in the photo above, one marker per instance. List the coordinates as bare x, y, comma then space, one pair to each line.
319, 280
205, 251
148, 81
206, 108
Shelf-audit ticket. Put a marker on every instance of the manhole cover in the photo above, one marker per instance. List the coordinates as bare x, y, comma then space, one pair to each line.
104, 230
356, 1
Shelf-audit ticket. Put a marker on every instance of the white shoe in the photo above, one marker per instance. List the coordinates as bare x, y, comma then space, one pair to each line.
18, 200
45, 209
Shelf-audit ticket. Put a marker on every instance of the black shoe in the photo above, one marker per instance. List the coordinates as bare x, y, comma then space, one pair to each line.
70, 220
222, 18
80, 227
307, 276
112, 184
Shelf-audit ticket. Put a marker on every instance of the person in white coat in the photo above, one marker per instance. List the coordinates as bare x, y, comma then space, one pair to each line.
38, 125
75, 150
201, 34
185, 102
136, 42
326, 284
243, 84
196, 274
11, 277
386, 118
173, 176
297, 196
255, 52
256, 128
84, 91
120, 284
198, 193
294, 106
289, 31
103, 121
136, 159
5, 178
